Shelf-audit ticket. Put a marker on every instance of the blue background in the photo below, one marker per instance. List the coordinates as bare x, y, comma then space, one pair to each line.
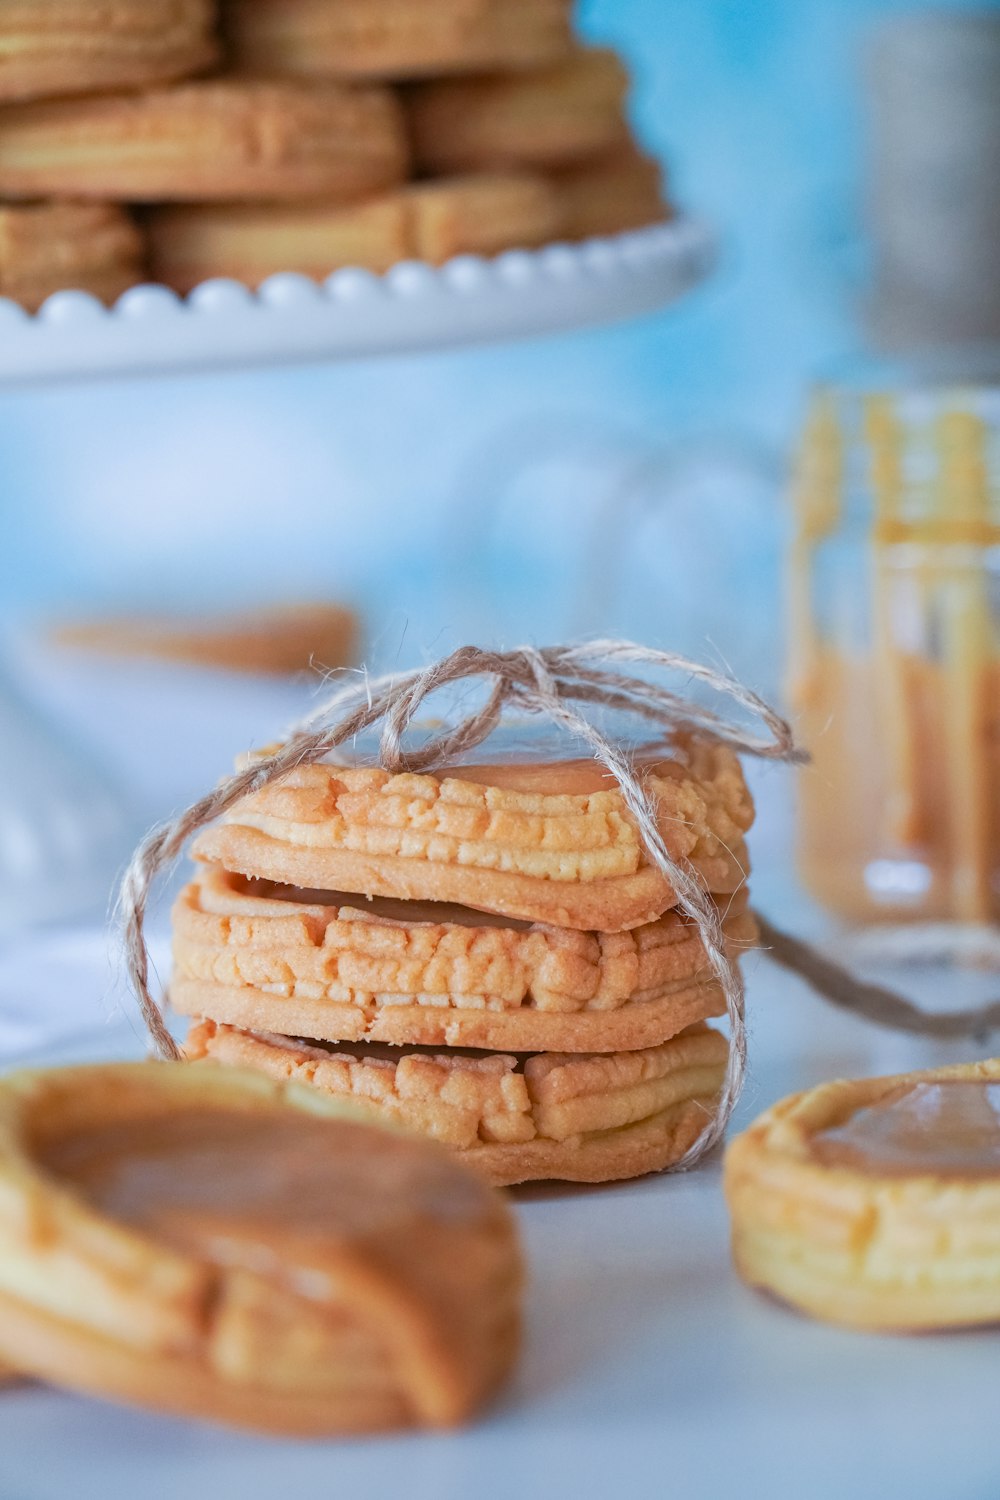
480, 491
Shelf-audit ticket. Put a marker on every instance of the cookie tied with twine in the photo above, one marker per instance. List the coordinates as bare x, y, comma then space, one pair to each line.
553, 685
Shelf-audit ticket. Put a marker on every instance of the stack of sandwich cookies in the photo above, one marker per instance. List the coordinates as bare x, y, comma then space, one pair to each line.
261, 136
518, 137
486, 954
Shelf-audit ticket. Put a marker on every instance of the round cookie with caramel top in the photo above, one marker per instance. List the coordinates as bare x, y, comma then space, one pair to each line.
543, 842
339, 968
876, 1202
224, 138
574, 1117
207, 1242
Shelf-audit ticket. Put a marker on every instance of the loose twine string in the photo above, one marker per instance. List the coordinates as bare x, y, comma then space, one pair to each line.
922, 944
543, 682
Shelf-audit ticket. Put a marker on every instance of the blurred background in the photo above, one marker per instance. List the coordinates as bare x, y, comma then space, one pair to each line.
403, 485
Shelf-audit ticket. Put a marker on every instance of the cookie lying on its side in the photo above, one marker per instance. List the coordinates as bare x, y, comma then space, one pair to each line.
50, 47
337, 968
607, 194
206, 1242
430, 221
223, 138
272, 639
394, 39
583, 1117
561, 113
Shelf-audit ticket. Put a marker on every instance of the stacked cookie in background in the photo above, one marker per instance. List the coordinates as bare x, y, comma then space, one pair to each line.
329, 133
50, 48
484, 954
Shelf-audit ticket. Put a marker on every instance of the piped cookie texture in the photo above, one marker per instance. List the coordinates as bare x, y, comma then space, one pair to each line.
339, 968
207, 1242
876, 1202
577, 1117
486, 953
550, 843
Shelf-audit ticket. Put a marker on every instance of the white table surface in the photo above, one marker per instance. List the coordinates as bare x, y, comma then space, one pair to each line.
648, 1369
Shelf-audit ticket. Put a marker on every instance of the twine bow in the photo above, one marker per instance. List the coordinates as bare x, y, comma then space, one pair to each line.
545, 682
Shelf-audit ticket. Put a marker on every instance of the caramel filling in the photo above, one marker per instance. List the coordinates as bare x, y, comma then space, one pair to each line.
269, 1191
950, 1129
410, 912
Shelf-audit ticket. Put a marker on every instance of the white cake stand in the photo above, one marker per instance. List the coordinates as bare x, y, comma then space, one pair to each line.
355, 313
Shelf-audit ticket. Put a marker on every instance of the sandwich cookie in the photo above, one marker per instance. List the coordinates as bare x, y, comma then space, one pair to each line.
339, 968
50, 47
575, 1117
224, 138
395, 39
551, 843
85, 247
608, 194
562, 113
428, 221
210, 1243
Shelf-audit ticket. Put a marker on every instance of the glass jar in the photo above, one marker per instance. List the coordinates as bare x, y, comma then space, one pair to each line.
895, 650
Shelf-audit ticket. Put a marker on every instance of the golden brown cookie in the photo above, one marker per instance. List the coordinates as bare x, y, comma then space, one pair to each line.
50, 47
876, 1202
225, 138
429, 221
546, 843
49, 247
619, 190
573, 109
394, 39
272, 958
575, 1117
273, 639
206, 1242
